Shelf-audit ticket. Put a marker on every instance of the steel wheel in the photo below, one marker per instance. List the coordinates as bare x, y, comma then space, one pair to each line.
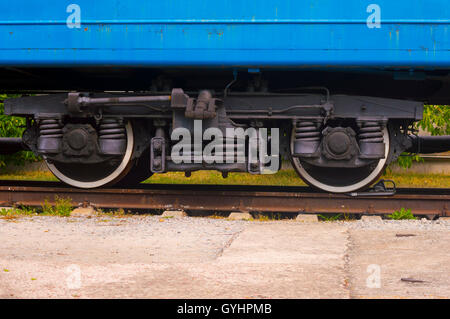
139, 172
96, 175
341, 180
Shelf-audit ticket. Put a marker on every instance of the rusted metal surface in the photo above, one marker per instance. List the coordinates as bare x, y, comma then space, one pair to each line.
229, 198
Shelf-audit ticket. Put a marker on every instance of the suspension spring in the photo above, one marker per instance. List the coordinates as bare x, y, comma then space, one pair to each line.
50, 128
307, 131
371, 132
371, 141
50, 136
112, 129
112, 137
307, 139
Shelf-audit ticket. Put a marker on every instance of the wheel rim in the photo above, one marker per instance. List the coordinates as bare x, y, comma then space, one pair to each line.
95, 175
345, 180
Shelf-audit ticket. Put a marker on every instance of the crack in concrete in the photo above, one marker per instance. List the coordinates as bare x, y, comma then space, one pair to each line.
228, 244
347, 272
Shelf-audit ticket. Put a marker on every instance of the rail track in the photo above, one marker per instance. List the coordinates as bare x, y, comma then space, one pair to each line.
221, 198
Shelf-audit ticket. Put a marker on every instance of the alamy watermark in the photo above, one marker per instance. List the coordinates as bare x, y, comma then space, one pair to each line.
374, 279
237, 140
73, 279
74, 19
374, 19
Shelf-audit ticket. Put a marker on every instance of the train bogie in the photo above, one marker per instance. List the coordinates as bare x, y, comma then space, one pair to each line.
336, 143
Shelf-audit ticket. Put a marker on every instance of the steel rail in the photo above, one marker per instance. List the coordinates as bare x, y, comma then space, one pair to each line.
217, 198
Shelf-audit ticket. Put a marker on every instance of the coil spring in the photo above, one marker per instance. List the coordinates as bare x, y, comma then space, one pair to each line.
307, 131
371, 132
112, 129
50, 128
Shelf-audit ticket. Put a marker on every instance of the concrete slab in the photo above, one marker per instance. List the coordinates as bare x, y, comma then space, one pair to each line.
240, 216
286, 260
307, 218
383, 265
174, 214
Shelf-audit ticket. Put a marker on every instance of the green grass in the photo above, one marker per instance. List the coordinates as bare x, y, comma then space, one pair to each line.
28, 176
282, 178
111, 213
330, 218
62, 207
266, 217
420, 180
288, 178
402, 214
16, 212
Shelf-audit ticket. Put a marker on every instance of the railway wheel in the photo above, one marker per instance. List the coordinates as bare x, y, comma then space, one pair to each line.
139, 172
341, 180
96, 175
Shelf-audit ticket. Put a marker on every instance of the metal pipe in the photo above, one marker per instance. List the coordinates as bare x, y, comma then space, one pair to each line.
10, 145
429, 144
86, 101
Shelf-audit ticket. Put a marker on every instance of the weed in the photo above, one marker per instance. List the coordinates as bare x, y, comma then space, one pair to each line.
6, 211
118, 212
62, 207
348, 217
47, 208
261, 218
267, 217
216, 216
25, 210
111, 213
330, 218
402, 214
15, 212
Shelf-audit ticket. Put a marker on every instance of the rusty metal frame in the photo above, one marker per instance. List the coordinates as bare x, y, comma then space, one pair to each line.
230, 198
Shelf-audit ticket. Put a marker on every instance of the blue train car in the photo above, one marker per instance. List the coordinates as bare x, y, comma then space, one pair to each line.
343, 77
265, 33
395, 41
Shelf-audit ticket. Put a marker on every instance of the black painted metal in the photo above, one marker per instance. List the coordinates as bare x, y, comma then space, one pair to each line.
307, 138
11, 145
265, 106
50, 136
429, 144
112, 137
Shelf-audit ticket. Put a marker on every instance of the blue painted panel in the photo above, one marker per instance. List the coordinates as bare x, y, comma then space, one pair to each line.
233, 33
